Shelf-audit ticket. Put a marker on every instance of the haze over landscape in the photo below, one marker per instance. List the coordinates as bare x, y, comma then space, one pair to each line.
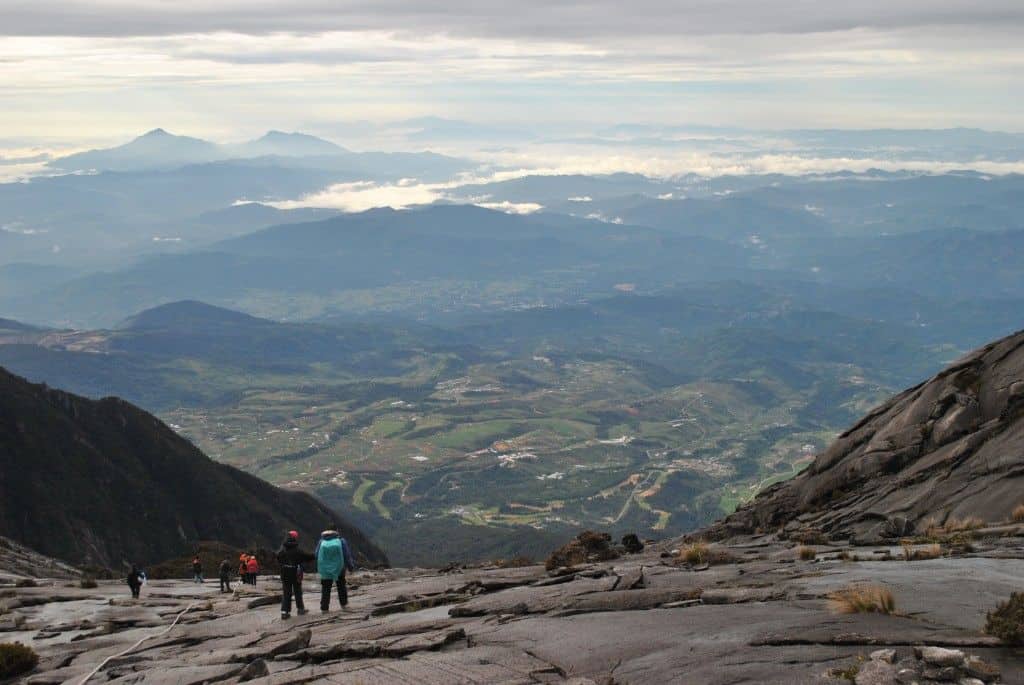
465, 280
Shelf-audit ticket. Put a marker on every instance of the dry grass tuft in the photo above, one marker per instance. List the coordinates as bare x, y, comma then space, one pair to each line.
700, 553
514, 562
967, 523
696, 553
913, 553
1018, 514
862, 599
806, 553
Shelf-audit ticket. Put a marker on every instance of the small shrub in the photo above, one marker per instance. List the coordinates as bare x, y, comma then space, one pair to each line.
1007, 621
632, 544
862, 599
588, 546
16, 659
88, 583
1018, 514
26, 582
806, 553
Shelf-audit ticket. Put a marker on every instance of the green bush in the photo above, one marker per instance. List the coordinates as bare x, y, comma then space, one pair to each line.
16, 659
1007, 621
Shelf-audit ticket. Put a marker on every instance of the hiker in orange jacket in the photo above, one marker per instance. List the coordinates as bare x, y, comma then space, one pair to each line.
243, 569
253, 567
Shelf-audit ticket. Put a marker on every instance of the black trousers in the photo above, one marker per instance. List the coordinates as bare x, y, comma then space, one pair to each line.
290, 586
225, 584
325, 592
135, 589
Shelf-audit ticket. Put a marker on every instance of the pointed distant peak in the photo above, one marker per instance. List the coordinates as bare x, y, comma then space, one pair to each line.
155, 133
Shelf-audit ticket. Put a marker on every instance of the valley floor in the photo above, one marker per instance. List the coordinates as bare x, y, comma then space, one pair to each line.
762, 616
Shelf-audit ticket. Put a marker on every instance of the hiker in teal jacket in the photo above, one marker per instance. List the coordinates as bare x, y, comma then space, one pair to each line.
333, 558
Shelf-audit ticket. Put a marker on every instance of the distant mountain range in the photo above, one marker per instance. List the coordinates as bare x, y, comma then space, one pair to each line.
103, 482
159, 149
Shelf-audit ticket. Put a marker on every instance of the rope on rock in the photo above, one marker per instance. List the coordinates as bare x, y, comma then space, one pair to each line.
110, 658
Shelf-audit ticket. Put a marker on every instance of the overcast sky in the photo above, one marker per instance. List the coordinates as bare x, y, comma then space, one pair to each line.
90, 70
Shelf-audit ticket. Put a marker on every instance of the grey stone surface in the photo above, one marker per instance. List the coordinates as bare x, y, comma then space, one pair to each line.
762, 619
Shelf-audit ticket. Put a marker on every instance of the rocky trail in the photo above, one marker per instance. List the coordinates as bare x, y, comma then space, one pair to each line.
760, 615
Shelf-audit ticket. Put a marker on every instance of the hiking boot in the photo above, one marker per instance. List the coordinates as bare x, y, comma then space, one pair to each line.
285, 616
302, 612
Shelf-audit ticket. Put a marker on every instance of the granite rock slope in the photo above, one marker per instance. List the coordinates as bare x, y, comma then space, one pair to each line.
763, 617
946, 451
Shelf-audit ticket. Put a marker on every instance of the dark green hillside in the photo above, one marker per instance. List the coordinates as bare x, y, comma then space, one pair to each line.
104, 482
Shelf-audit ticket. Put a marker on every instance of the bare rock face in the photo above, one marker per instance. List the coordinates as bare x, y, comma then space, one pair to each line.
19, 562
948, 449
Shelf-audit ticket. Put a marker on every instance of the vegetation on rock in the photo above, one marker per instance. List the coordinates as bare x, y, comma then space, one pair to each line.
862, 599
1007, 621
16, 659
588, 546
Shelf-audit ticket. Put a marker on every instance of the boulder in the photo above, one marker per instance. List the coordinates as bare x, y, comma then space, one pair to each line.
939, 656
255, 669
876, 673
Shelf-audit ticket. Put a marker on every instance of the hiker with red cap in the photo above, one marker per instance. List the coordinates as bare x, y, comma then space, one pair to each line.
291, 559
253, 568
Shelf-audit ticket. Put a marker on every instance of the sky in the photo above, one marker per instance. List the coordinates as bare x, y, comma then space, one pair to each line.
82, 72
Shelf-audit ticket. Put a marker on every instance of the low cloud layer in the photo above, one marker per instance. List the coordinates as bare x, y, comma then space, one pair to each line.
569, 20
91, 70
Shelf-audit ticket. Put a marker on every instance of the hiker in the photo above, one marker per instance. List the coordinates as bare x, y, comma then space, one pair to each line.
253, 567
291, 558
333, 558
225, 576
197, 569
135, 578
243, 569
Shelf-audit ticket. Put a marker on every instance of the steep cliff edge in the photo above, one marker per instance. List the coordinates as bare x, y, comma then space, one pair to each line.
103, 482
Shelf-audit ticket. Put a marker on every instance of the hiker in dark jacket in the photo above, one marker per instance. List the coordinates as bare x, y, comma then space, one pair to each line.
197, 569
225, 576
291, 559
135, 581
333, 558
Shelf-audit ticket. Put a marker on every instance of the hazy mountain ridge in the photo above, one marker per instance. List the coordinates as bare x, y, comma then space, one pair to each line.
159, 149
